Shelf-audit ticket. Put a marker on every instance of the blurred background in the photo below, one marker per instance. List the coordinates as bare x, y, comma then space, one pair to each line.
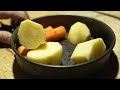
94, 14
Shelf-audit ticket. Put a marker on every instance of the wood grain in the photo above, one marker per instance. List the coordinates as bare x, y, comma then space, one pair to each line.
9, 68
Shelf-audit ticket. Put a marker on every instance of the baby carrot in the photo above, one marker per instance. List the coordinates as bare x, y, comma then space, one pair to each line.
22, 50
48, 28
56, 34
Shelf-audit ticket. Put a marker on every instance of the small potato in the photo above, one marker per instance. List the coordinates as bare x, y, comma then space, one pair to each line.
79, 32
22, 50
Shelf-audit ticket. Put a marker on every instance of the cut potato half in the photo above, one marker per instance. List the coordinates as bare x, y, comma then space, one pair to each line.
49, 53
31, 34
79, 32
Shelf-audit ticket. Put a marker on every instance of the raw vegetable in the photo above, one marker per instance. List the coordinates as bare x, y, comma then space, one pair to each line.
49, 53
79, 32
55, 34
49, 28
31, 34
88, 50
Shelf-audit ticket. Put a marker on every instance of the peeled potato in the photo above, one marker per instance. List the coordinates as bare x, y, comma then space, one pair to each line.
31, 34
88, 50
78, 33
6, 21
49, 53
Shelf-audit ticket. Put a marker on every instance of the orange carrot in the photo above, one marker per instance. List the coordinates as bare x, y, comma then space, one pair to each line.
56, 34
48, 28
22, 50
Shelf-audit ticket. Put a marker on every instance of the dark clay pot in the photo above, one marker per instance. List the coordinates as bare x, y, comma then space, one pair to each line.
97, 28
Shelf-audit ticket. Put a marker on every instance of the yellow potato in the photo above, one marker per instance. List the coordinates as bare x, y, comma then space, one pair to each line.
6, 21
79, 32
49, 53
88, 50
31, 34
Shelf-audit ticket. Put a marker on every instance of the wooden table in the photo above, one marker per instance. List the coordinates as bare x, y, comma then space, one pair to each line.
9, 68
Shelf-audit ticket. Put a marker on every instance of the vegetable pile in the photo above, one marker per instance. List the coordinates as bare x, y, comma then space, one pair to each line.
41, 45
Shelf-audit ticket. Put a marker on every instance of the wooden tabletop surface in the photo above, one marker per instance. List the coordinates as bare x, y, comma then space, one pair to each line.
9, 68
